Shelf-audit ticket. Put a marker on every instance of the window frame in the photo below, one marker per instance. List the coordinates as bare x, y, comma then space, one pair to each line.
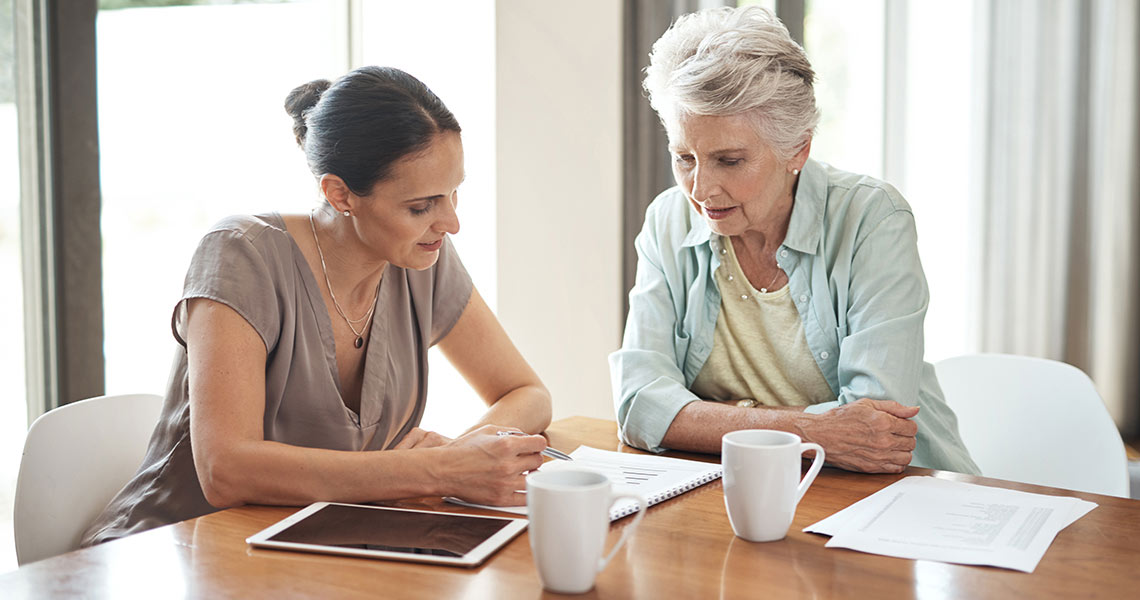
60, 201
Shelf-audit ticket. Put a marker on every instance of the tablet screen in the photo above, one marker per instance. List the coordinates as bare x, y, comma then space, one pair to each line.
391, 530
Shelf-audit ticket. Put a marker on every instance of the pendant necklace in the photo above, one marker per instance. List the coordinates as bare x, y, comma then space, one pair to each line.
359, 343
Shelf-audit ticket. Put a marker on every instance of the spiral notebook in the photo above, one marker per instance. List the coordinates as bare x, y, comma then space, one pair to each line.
657, 478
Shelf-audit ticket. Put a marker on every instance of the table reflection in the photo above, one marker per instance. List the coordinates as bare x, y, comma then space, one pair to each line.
751, 569
145, 570
935, 580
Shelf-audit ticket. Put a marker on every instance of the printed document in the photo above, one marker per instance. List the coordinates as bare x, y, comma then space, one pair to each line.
937, 519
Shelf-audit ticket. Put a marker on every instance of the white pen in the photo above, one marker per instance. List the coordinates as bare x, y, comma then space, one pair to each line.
551, 452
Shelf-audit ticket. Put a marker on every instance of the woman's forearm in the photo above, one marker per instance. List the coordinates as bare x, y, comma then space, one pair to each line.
527, 408
874, 436
700, 426
264, 472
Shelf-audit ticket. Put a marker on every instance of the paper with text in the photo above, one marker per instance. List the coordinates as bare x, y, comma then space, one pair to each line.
950, 521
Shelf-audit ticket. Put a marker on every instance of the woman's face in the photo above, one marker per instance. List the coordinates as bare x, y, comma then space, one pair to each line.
729, 173
405, 217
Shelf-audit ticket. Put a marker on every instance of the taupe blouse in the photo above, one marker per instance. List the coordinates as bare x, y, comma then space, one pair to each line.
252, 265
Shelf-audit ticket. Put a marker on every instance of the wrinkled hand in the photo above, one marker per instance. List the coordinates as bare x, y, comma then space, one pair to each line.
490, 469
422, 438
872, 436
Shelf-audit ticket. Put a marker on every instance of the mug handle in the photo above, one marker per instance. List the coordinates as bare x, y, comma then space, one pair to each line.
816, 465
642, 506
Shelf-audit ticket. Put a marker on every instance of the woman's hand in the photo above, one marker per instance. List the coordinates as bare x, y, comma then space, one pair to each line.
873, 436
422, 438
487, 468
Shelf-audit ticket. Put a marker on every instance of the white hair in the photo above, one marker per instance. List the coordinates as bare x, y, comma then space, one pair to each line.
729, 61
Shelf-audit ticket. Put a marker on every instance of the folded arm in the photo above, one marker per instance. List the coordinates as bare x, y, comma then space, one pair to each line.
656, 410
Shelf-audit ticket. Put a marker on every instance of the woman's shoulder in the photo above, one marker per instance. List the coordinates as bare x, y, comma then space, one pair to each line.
265, 233
669, 203
254, 240
861, 194
250, 227
670, 216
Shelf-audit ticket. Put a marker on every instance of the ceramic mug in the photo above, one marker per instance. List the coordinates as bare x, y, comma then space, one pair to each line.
762, 483
569, 511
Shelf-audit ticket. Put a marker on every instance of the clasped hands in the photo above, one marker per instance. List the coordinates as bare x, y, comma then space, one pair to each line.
871, 436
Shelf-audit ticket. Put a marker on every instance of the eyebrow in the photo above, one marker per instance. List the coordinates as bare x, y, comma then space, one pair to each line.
422, 198
675, 150
434, 196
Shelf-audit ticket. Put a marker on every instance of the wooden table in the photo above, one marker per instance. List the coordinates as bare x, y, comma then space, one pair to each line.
684, 549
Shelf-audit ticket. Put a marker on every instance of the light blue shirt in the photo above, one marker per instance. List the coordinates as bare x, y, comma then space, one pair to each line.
851, 257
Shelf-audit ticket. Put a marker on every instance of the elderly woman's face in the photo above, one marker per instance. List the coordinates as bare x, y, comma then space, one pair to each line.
729, 173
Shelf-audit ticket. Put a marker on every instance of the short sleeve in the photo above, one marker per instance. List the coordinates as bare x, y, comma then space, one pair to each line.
230, 268
451, 291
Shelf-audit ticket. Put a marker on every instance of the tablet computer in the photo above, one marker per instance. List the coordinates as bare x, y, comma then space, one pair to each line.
390, 533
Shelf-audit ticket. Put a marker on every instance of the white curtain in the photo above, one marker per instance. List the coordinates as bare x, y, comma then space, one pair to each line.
645, 155
1057, 191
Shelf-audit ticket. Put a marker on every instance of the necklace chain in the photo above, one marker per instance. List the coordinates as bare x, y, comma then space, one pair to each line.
764, 290
359, 334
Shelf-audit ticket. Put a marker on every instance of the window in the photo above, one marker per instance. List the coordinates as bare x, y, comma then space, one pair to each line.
844, 41
192, 129
13, 410
450, 46
896, 106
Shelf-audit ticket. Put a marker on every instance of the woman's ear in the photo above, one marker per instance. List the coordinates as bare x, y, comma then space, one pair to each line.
800, 157
336, 191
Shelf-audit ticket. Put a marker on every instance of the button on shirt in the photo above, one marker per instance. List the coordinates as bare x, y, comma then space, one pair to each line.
851, 258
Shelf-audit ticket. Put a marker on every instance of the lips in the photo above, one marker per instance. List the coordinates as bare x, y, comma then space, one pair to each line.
717, 214
432, 247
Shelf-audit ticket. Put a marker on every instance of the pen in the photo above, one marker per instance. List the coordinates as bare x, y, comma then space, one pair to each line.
551, 452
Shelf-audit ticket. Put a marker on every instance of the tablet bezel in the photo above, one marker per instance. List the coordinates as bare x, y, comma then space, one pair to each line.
475, 557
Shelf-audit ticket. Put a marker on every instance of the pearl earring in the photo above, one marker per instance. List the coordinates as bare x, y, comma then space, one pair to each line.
795, 172
347, 213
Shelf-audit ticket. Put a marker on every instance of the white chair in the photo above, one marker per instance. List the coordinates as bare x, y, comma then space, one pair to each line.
1035, 421
76, 458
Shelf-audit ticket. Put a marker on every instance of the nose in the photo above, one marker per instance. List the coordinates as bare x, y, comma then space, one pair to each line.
448, 219
703, 184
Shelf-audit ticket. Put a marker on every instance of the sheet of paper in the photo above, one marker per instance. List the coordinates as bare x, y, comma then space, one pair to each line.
657, 478
937, 519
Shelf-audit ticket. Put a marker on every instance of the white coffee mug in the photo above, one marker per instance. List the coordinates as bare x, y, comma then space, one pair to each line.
569, 511
762, 483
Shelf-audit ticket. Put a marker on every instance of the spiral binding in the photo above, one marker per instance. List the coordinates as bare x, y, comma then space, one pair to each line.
624, 509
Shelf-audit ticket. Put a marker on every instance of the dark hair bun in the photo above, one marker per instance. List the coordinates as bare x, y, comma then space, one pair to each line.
365, 122
300, 100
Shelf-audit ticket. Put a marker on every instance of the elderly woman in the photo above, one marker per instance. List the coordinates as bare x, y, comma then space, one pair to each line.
772, 291
301, 373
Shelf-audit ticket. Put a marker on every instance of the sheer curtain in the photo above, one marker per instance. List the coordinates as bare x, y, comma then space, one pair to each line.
1056, 183
644, 147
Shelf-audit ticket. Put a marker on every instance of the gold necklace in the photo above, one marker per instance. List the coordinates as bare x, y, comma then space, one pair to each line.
359, 334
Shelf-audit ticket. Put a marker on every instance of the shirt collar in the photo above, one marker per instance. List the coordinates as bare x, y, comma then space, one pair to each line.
699, 231
805, 225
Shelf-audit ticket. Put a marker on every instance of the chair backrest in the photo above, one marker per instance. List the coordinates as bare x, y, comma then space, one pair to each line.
1035, 421
76, 458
